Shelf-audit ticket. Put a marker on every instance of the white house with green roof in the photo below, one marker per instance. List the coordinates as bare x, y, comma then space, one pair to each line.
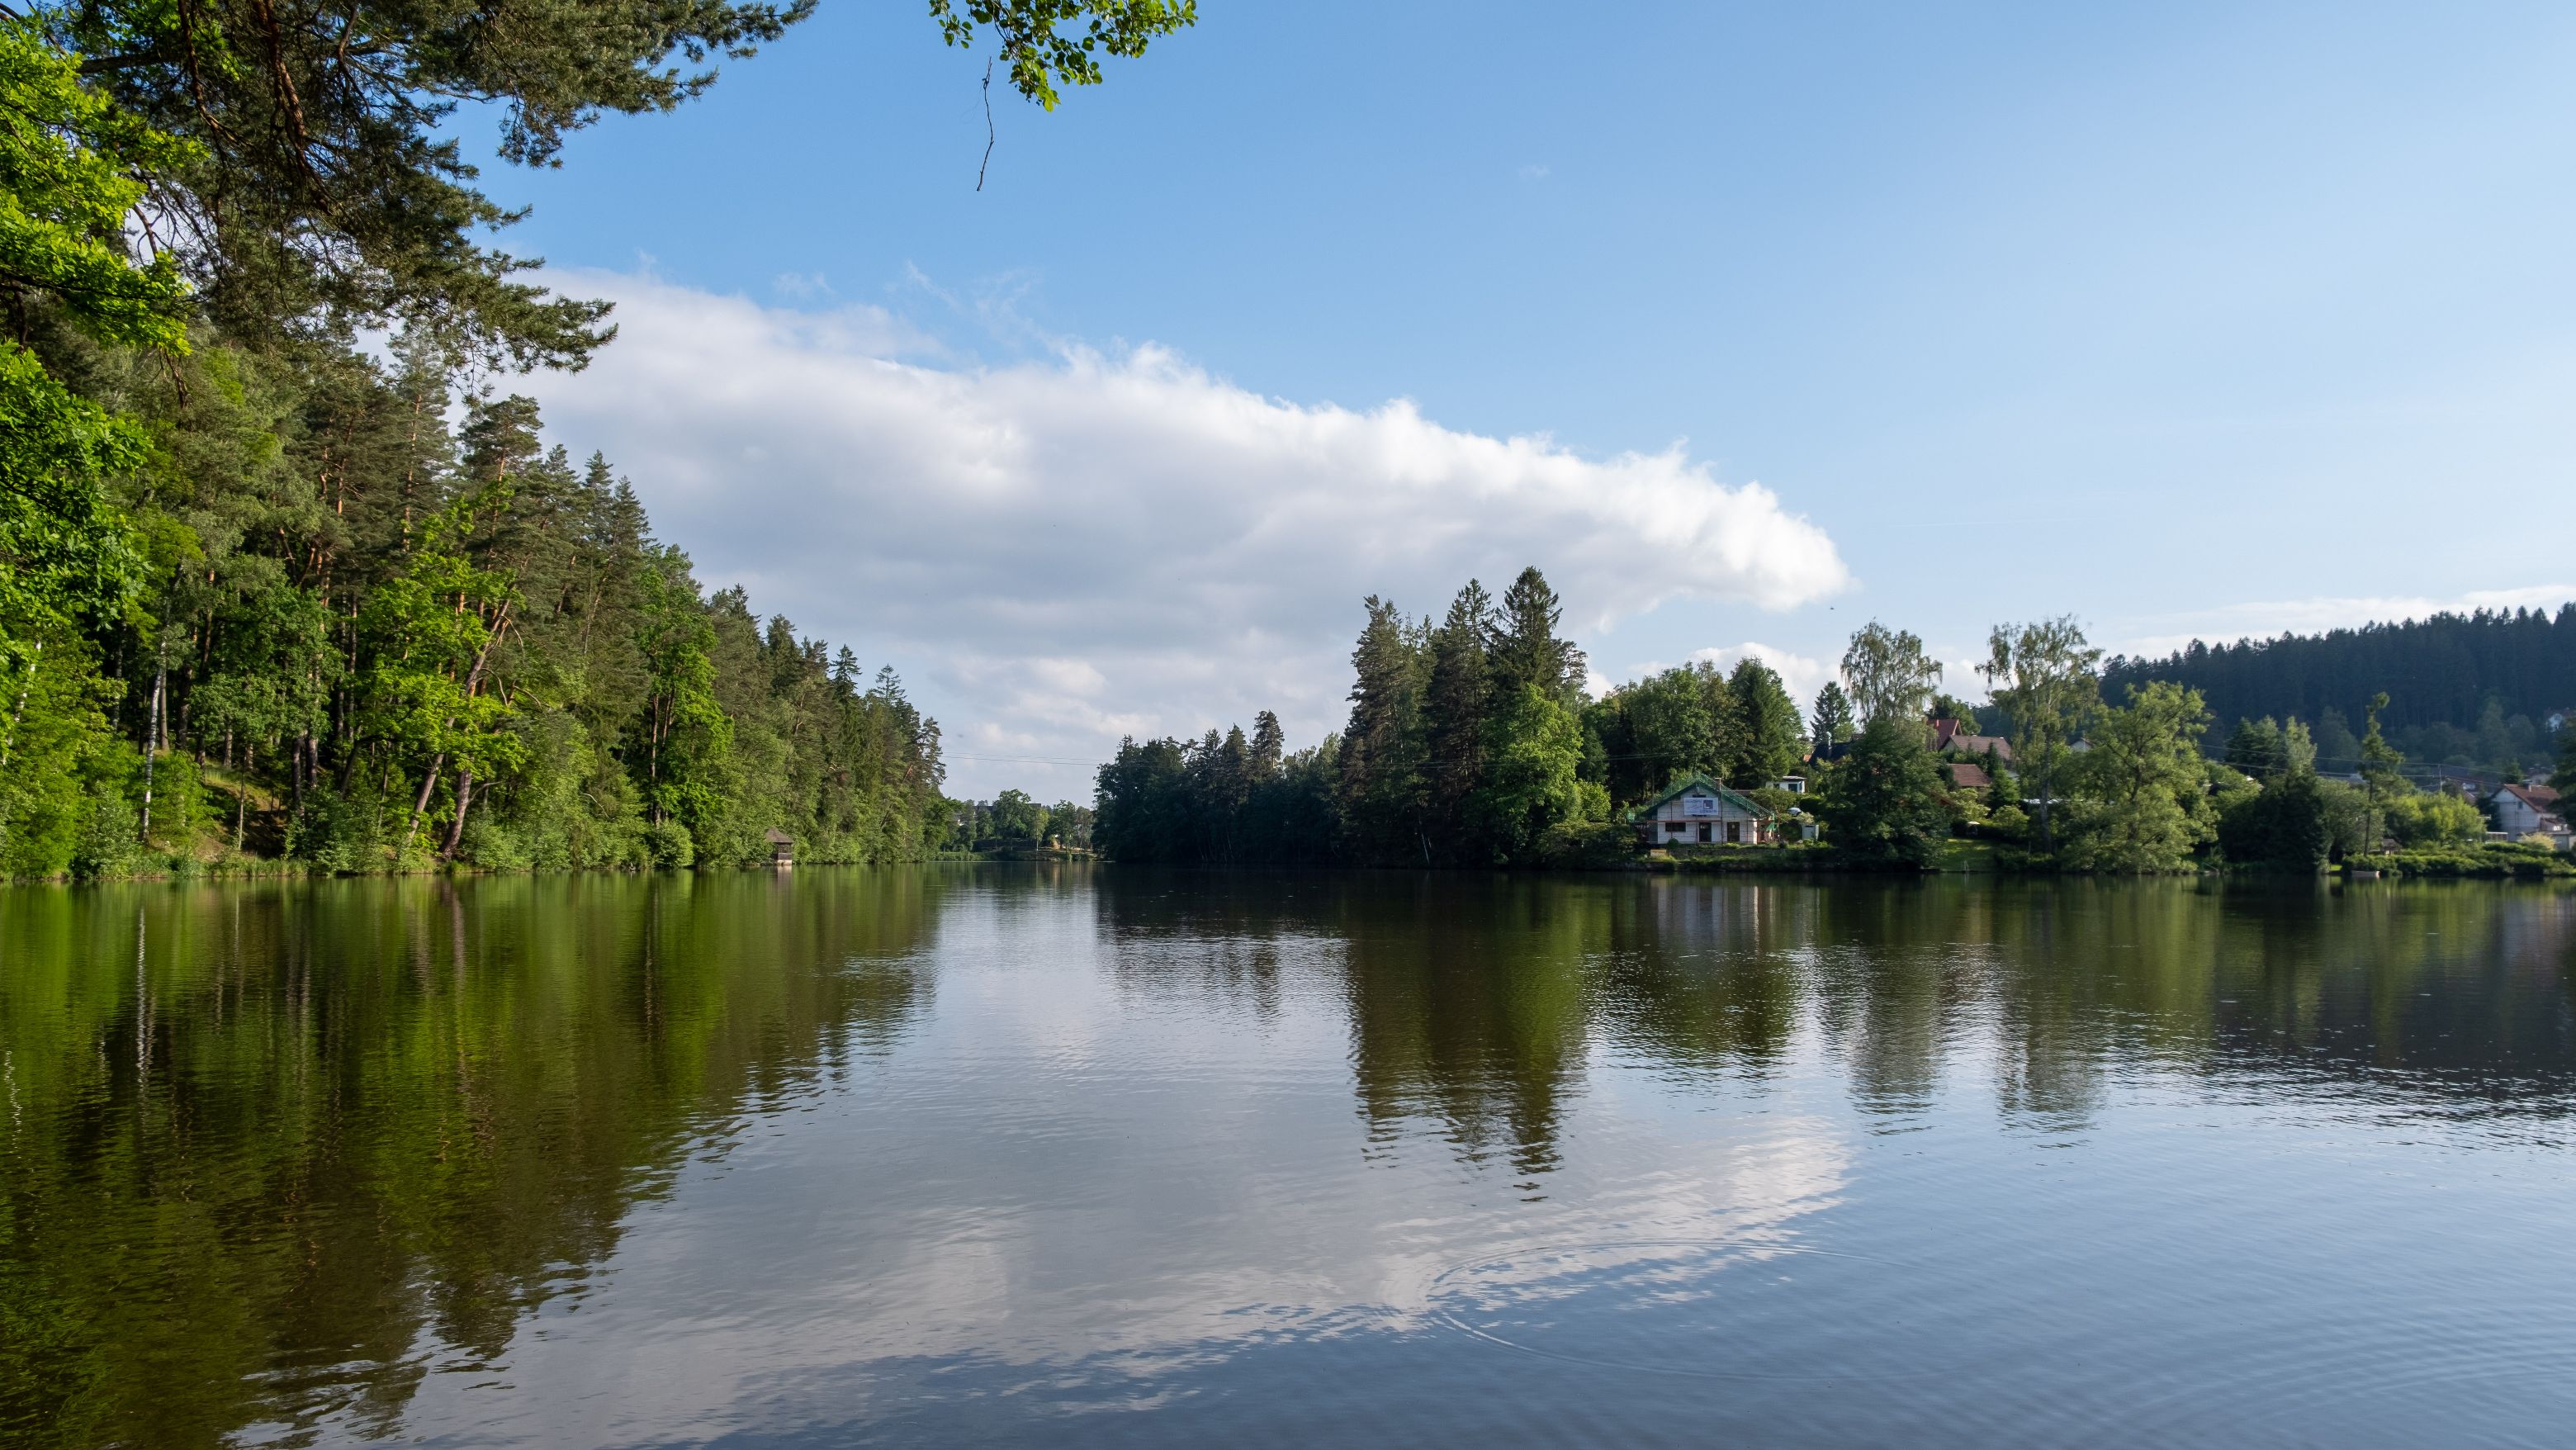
1697, 811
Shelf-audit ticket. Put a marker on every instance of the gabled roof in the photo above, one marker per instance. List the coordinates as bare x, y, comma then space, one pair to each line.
2539, 797
1695, 780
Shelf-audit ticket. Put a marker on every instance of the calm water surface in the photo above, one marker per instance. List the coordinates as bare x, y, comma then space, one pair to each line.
997, 1156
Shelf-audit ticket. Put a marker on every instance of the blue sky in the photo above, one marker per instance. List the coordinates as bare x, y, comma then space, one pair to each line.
2183, 319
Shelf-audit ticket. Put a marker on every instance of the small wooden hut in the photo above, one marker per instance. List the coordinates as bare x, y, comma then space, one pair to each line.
782, 848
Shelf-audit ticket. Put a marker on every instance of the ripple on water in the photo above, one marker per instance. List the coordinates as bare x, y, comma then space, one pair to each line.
1719, 1308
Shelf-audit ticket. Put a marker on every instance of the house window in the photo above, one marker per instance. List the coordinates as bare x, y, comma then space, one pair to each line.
1703, 833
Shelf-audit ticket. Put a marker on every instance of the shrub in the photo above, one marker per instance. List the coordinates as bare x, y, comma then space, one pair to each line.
668, 845
106, 846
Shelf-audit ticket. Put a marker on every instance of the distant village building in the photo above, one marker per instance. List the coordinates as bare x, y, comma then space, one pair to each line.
1969, 777
1949, 735
1697, 811
782, 847
1793, 784
2521, 810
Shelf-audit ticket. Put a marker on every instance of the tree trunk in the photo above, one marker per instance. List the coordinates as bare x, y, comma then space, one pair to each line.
152, 742
464, 801
35, 658
428, 783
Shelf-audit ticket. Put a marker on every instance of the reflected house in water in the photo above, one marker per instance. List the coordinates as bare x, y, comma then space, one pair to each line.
1697, 811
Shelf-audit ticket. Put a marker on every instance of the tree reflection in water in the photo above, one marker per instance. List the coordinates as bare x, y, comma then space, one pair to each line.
275, 1153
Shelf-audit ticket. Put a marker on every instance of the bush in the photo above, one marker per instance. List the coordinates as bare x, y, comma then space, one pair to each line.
2435, 819
494, 846
2008, 823
106, 846
668, 845
339, 834
1588, 843
2495, 860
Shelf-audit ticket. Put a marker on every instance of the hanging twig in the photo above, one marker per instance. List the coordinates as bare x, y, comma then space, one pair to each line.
990, 135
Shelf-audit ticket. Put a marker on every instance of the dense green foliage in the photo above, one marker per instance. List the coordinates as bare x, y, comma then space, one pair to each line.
2463, 689
258, 596
1467, 745
1883, 802
1470, 742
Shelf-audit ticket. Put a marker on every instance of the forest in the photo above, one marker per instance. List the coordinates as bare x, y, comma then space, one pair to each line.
288, 579
2471, 690
1471, 742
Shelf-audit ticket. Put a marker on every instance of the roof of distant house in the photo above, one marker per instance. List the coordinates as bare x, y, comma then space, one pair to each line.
1970, 777
1686, 783
1949, 734
2539, 797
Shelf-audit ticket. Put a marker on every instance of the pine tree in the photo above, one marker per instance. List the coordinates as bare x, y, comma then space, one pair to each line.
1456, 706
1383, 760
1269, 743
1771, 734
1524, 643
1832, 719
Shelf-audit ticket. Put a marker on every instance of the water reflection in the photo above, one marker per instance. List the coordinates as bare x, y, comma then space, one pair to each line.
275, 1153
347, 1160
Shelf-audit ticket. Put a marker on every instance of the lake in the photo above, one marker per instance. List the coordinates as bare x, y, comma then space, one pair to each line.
1030, 1155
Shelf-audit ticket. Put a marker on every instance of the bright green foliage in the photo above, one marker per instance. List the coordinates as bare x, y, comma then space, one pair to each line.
69, 165
2043, 675
2381, 782
1770, 737
1665, 726
2144, 804
2435, 818
428, 633
59, 760
1532, 747
64, 549
1018, 819
67, 185
1044, 52
1889, 674
1883, 802
227, 531
687, 738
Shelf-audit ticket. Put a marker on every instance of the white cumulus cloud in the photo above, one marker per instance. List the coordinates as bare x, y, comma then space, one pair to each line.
1063, 551
1802, 675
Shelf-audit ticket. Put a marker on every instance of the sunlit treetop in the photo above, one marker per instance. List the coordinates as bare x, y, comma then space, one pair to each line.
1052, 42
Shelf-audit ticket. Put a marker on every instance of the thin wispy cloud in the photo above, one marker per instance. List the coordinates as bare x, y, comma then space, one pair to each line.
1064, 551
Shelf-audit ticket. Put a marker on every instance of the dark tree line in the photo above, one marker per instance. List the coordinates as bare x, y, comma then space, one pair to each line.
1470, 742
2475, 689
